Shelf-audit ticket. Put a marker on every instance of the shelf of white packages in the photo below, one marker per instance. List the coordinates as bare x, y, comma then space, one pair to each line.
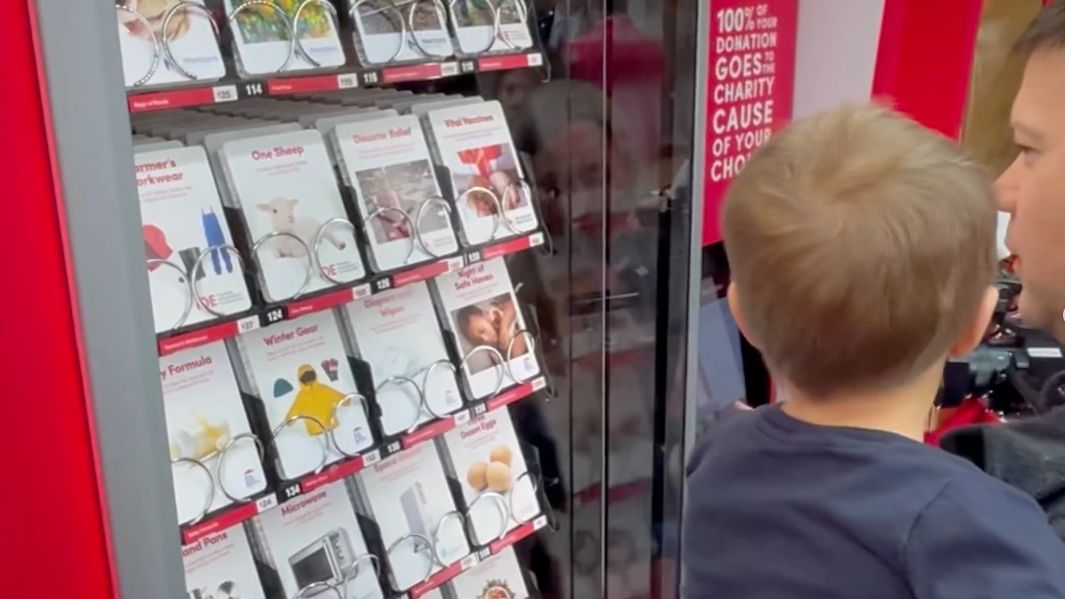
223, 330
151, 101
234, 516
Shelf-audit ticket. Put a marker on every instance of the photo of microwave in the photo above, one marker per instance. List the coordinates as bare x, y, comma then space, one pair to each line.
327, 559
413, 503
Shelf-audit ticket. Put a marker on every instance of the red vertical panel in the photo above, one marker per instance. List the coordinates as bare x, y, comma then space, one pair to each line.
925, 59
889, 50
53, 521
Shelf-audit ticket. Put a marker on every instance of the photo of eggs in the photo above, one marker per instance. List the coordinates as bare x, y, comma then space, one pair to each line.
494, 475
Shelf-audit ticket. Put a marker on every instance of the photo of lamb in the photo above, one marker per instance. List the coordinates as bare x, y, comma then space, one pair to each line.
282, 216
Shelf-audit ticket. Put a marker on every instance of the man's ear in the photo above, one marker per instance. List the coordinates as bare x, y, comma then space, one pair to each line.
738, 315
975, 331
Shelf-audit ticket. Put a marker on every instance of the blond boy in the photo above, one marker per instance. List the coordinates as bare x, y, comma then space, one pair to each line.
862, 252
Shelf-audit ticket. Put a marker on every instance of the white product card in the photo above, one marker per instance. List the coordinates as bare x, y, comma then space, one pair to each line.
483, 313
285, 187
474, 143
384, 34
327, 124
220, 566
486, 459
498, 577
475, 26
387, 162
158, 145
183, 223
316, 538
409, 498
398, 334
204, 416
190, 36
300, 368
420, 109
264, 42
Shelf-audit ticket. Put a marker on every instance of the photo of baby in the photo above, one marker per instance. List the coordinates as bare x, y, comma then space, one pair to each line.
403, 186
494, 323
260, 23
492, 168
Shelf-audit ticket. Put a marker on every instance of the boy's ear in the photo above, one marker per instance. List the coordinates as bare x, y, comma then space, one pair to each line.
972, 334
738, 315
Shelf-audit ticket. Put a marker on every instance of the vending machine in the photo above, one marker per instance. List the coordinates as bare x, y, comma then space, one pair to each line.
352, 298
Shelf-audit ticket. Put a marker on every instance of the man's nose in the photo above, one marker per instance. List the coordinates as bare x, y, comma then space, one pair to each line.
1006, 192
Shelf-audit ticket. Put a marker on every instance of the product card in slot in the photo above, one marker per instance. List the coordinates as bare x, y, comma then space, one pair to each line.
289, 198
497, 488
221, 566
353, 115
215, 458
491, 26
186, 237
483, 314
186, 51
498, 577
493, 199
300, 369
408, 496
398, 333
195, 136
387, 162
158, 145
363, 98
263, 36
309, 119
316, 538
420, 109
384, 34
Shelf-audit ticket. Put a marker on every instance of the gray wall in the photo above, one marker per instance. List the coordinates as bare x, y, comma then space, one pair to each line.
95, 156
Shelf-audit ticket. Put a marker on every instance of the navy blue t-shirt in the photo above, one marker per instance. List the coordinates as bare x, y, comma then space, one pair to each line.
781, 509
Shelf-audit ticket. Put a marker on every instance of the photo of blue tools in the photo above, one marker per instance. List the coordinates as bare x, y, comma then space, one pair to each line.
216, 241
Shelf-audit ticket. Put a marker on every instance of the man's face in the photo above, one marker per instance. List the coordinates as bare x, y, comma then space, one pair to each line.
1032, 190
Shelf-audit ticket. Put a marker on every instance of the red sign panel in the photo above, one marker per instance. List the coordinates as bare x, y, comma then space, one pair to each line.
750, 87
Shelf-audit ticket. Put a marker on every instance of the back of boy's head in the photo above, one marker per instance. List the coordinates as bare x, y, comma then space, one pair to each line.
862, 245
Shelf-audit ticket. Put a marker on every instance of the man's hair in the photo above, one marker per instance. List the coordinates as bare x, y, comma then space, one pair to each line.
1046, 31
861, 244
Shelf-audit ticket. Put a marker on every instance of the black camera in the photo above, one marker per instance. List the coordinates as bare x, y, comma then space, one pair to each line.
1020, 371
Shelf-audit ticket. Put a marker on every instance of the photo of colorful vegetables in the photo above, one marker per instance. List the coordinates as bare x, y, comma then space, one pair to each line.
259, 24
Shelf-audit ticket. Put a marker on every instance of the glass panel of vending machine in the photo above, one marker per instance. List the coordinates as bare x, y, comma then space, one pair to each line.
382, 298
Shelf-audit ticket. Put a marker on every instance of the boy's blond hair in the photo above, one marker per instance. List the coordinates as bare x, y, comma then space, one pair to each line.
862, 245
